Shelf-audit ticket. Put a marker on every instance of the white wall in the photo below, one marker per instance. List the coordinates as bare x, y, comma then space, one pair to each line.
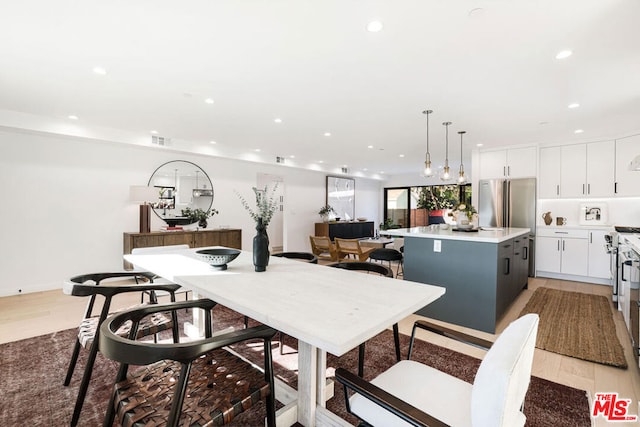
65, 203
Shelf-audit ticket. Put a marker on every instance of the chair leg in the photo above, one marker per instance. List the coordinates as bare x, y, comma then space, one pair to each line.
361, 360
396, 340
72, 362
246, 322
413, 336
281, 343
84, 385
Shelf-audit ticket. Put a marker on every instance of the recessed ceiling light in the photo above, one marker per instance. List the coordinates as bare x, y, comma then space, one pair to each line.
320, 161
277, 120
365, 169
292, 156
476, 12
381, 171
257, 150
578, 131
479, 145
212, 142
401, 155
73, 117
99, 70
564, 54
369, 146
209, 101
374, 26
327, 134
155, 132
574, 105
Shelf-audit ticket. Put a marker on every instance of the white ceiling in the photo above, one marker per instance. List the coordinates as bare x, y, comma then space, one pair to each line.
312, 64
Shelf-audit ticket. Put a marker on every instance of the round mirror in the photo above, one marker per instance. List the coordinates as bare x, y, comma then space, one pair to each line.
180, 185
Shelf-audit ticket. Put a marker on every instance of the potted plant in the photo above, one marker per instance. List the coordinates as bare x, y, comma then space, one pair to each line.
199, 215
464, 214
437, 199
325, 211
262, 213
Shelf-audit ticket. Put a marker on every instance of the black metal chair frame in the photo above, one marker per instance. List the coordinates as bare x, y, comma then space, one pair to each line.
384, 271
303, 256
398, 407
108, 292
128, 351
388, 255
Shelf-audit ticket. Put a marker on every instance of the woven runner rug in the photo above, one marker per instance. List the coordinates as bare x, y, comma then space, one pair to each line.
32, 372
577, 325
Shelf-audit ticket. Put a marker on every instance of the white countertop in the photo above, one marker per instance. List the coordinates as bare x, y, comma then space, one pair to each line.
486, 235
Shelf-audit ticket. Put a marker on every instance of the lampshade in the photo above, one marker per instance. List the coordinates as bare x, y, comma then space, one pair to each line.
142, 193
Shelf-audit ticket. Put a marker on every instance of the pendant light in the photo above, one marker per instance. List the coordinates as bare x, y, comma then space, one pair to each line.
427, 161
446, 176
461, 178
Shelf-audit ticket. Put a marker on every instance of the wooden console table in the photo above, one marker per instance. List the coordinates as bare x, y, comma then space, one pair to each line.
230, 237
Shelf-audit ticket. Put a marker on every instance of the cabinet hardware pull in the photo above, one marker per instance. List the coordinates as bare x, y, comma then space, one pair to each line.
504, 170
615, 187
509, 170
525, 253
582, 188
590, 237
563, 246
507, 265
588, 188
557, 189
558, 245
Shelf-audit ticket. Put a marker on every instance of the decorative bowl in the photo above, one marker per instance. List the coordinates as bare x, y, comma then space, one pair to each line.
443, 226
218, 258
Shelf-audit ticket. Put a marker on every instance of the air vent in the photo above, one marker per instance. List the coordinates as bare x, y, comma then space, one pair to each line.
160, 140
280, 159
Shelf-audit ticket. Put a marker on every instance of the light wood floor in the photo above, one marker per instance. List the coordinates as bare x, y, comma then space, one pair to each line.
29, 315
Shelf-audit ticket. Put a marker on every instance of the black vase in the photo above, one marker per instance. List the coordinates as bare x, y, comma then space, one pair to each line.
261, 247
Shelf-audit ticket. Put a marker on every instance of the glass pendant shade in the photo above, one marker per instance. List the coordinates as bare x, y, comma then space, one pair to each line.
446, 174
461, 177
427, 161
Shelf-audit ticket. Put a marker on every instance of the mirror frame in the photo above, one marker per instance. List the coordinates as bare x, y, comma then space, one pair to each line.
342, 205
161, 212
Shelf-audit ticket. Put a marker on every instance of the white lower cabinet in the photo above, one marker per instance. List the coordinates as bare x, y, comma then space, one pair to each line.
563, 251
598, 256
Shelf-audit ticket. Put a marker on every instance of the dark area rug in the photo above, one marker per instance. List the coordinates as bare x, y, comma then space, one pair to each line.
32, 372
577, 325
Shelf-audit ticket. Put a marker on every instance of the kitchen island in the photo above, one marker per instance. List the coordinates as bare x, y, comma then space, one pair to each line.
483, 271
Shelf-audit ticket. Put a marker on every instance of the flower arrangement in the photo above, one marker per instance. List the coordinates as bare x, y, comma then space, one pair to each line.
198, 215
469, 211
326, 210
265, 206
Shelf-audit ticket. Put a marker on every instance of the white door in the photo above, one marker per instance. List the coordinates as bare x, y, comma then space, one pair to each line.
548, 254
493, 164
276, 226
600, 169
549, 180
575, 256
521, 162
573, 172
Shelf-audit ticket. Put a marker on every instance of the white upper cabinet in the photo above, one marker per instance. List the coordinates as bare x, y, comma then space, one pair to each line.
573, 170
627, 182
579, 170
509, 163
549, 178
600, 169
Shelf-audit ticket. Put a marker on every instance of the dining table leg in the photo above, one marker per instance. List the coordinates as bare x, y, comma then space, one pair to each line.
307, 383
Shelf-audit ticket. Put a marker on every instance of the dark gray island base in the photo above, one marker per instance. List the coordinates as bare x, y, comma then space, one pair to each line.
482, 275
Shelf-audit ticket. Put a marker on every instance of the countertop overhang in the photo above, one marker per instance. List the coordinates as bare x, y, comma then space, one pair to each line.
486, 235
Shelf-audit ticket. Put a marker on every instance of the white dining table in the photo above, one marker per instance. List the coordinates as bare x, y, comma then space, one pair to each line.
326, 309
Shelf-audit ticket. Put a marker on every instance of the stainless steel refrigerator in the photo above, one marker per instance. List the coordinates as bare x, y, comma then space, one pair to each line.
509, 203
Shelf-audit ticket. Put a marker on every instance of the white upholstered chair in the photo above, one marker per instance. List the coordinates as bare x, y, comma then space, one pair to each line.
411, 393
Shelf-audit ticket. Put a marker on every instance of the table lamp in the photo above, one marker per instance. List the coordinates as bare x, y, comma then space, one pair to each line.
143, 194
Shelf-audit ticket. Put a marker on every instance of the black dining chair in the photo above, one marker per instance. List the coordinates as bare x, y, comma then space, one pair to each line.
301, 256
89, 285
197, 381
389, 255
370, 267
